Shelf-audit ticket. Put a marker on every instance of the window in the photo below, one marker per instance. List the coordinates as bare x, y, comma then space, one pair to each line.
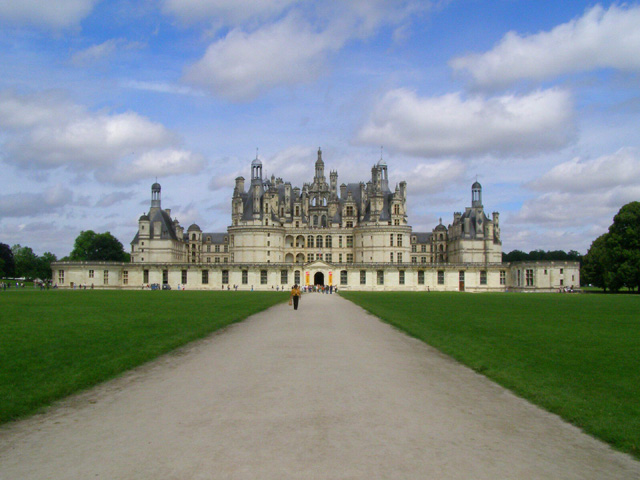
391, 239
245, 277
414, 248
205, 277
125, 277
284, 277
319, 241
349, 257
363, 277
208, 259
440, 277
399, 240
396, 209
349, 241
399, 257
263, 277
423, 248
296, 277
310, 257
184, 276
217, 248
423, 259
528, 277
391, 257
310, 241
349, 224
217, 259
328, 241
380, 277
106, 277
328, 257
483, 277
414, 259
165, 276
420, 277
339, 258
61, 276
90, 273
503, 277
225, 276
349, 211
401, 277
343, 277
145, 276
319, 256
340, 241
461, 276
561, 271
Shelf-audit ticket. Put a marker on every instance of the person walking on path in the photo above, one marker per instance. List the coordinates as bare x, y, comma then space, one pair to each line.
295, 296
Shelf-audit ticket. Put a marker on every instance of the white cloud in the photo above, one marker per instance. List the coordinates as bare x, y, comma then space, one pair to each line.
621, 168
434, 177
241, 66
225, 11
33, 204
599, 39
154, 163
453, 125
579, 192
160, 87
290, 50
114, 198
45, 13
103, 50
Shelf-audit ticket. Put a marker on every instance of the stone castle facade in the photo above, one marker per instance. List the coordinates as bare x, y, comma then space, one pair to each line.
353, 236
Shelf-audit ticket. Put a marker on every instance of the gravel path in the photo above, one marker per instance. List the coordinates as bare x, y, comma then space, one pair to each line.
327, 392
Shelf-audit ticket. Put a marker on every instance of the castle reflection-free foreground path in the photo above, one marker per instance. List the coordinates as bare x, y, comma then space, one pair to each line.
326, 392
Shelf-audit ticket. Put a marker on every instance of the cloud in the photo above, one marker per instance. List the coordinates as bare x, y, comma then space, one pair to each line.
290, 50
599, 39
579, 192
434, 177
241, 66
621, 168
46, 131
114, 198
454, 125
102, 50
45, 13
225, 11
34, 204
160, 87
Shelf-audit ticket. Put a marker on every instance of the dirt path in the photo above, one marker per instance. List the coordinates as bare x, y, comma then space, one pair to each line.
326, 392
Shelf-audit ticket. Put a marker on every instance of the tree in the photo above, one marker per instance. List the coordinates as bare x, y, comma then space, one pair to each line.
613, 260
43, 265
92, 246
623, 243
596, 264
7, 265
25, 261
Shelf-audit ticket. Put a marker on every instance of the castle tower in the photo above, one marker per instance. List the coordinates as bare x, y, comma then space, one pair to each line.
476, 195
155, 197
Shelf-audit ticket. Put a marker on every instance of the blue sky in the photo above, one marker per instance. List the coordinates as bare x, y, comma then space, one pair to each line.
538, 100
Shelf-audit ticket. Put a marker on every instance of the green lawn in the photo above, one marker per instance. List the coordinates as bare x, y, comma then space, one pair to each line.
575, 355
54, 343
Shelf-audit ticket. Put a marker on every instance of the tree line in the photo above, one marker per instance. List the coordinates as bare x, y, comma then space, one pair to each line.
541, 255
22, 262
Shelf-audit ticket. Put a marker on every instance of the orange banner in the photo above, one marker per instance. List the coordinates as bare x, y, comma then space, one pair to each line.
306, 278
330, 278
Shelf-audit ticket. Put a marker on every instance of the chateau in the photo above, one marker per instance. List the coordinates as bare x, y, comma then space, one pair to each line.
354, 236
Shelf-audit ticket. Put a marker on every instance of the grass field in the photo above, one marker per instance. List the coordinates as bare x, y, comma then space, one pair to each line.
575, 355
54, 343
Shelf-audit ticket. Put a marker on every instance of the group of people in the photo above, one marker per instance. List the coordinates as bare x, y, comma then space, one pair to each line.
297, 290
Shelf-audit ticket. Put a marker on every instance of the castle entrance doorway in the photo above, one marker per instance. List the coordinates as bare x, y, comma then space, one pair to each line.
318, 278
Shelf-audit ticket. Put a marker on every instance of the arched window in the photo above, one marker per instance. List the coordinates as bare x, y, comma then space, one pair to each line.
319, 241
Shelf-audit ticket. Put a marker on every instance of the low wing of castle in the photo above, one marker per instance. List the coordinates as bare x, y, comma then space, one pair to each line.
354, 235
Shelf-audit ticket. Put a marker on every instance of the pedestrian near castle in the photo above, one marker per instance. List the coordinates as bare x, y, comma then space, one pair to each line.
295, 296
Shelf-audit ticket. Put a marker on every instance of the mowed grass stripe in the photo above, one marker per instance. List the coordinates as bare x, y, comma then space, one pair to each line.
55, 343
575, 355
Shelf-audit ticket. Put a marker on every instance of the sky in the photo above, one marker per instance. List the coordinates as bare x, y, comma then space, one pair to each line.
538, 101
